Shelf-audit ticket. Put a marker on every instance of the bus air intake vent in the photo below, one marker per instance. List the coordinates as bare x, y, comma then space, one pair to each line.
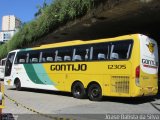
120, 84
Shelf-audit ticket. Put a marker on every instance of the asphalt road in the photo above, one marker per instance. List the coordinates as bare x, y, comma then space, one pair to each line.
51, 104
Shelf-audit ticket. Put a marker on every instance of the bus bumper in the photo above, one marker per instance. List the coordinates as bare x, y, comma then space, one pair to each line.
148, 91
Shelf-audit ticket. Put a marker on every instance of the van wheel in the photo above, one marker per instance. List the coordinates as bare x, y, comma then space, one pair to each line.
95, 92
18, 85
78, 90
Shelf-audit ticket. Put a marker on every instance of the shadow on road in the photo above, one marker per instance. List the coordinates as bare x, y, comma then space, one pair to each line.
136, 100
133, 100
44, 91
126, 100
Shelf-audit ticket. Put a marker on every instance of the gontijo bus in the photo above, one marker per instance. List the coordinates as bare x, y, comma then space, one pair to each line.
124, 66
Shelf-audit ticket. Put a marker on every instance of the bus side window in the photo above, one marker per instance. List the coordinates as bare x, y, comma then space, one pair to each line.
77, 58
63, 54
87, 54
121, 49
129, 50
40, 57
76, 55
67, 53
57, 57
34, 60
81, 53
21, 61
47, 55
101, 56
49, 59
91, 53
100, 51
34, 56
21, 57
67, 58
114, 56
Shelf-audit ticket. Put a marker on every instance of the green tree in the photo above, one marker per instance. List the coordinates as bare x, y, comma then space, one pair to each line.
41, 9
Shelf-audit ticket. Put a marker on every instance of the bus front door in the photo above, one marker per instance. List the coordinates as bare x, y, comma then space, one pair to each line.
9, 63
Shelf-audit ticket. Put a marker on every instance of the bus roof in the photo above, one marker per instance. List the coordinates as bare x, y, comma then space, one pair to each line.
77, 42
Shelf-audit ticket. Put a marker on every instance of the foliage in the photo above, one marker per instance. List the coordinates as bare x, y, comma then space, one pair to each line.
3, 50
40, 9
58, 13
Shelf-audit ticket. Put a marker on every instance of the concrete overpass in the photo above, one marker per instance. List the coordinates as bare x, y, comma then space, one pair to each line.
112, 18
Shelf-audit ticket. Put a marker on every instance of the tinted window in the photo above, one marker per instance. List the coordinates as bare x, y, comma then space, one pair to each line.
100, 51
21, 57
64, 54
81, 53
47, 55
121, 49
34, 56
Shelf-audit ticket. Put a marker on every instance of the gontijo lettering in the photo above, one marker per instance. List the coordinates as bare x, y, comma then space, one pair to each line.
149, 62
68, 67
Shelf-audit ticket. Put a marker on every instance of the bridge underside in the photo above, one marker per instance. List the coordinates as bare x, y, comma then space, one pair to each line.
110, 19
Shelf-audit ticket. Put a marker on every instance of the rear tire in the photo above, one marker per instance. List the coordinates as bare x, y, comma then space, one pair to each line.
95, 92
78, 90
18, 85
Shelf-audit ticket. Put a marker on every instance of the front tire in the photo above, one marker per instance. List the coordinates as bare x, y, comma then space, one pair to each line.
18, 85
95, 92
78, 90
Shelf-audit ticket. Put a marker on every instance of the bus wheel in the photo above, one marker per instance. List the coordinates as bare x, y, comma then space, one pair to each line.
78, 90
95, 92
18, 84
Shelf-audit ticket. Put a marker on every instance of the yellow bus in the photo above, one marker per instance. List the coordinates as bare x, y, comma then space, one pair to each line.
124, 66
